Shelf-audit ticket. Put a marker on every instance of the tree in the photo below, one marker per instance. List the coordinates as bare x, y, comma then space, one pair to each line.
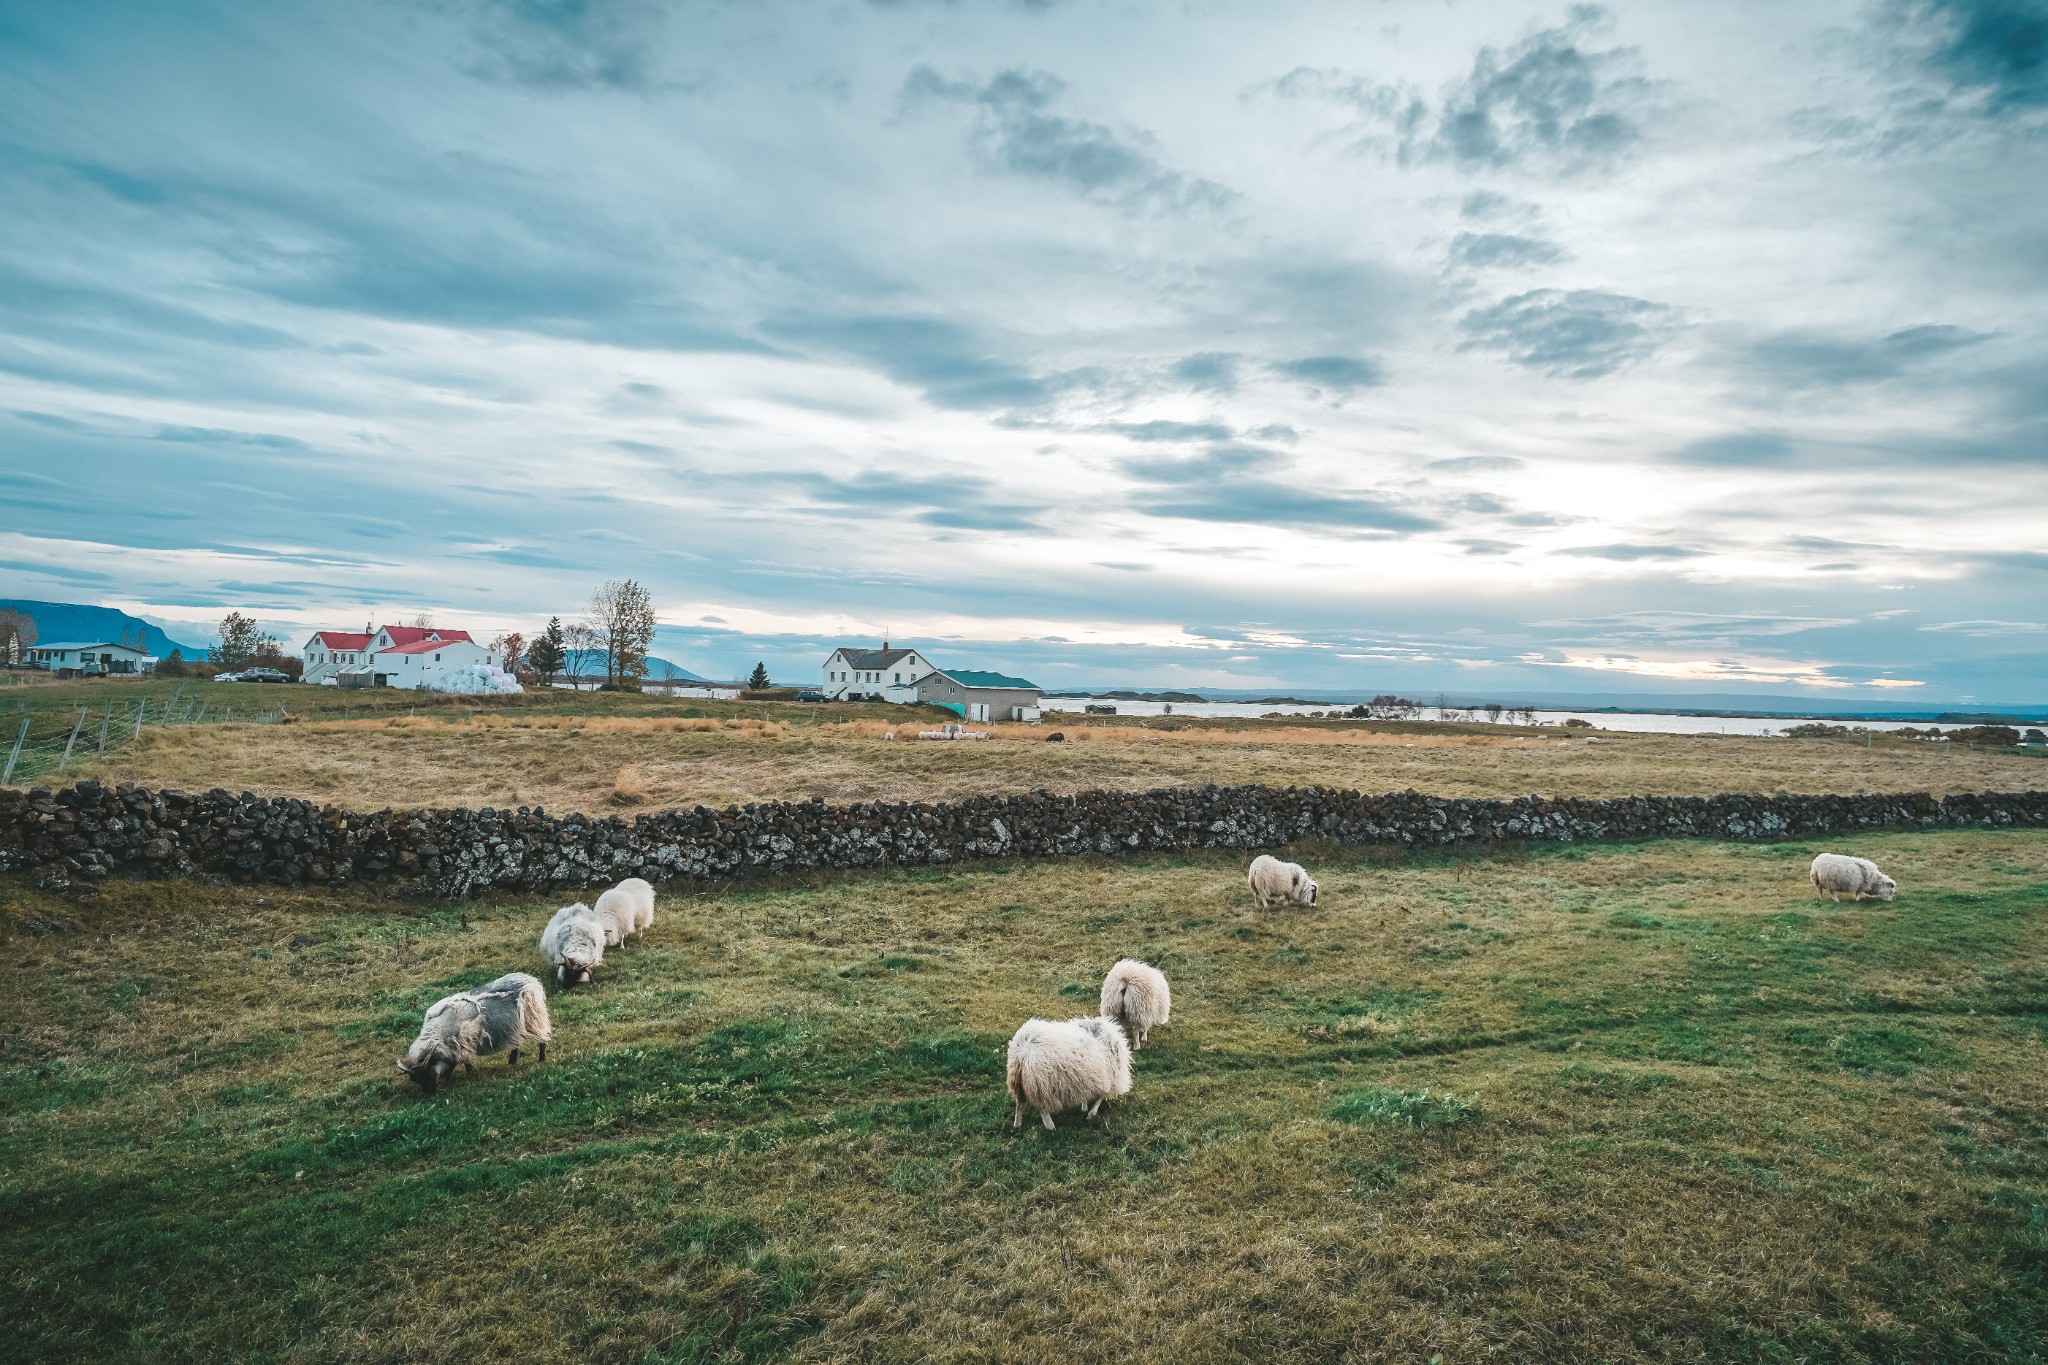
622, 614
757, 681
511, 651
546, 655
17, 634
241, 642
172, 665
581, 653
423, 621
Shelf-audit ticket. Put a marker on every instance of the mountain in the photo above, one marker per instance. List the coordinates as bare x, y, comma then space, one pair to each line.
657, 668
75, 623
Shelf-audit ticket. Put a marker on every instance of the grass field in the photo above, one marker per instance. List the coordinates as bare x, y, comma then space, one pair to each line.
610, 760
1594, 1104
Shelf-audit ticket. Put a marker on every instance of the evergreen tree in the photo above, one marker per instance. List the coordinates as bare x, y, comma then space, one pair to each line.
757, 681
547, 652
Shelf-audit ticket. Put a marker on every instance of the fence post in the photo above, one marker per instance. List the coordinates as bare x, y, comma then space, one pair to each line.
76, 726
138, 716
202, 712
106, 719
8, 776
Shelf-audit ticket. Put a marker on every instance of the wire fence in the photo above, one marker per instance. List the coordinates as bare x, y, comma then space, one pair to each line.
34, 751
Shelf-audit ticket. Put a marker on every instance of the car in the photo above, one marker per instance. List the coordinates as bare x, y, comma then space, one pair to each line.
227, 677
262, 675
810, 696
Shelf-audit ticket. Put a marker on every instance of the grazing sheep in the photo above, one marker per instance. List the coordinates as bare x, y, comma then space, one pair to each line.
626, 909
1057, 1065
505, 1015
1136, 995
1272, 880
574, 943
1834, 873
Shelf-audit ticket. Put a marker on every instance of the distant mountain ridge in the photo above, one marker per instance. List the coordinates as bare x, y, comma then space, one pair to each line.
76, 623
657, 668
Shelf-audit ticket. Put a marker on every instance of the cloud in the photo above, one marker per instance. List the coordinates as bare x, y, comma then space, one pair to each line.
1552, 100
1998, 48
1807, 359
569, 44
1222, 484
1751, 669
1740, 449
1017, 131
1170, 431
1340, 373
1579, 334
1990, 630
1207, 372
965, 502
1630, 552
1476, 464
1484, 250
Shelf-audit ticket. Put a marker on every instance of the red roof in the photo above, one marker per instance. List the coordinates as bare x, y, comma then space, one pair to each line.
413, 635
343, 639
429, 646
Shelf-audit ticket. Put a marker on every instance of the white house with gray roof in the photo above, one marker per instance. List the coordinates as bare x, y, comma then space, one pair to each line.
856, 674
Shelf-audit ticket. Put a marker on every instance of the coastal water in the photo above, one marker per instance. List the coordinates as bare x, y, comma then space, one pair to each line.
1637, 722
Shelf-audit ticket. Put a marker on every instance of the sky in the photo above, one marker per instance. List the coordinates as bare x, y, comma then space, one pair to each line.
1493, 347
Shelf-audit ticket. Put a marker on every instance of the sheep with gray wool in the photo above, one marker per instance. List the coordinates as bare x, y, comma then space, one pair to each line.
504, 1016
627, 910
1135, 995
1056, 1065
1272, 880
1834, 873
573, 943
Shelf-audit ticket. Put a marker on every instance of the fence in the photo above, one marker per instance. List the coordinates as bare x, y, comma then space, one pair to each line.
34, 751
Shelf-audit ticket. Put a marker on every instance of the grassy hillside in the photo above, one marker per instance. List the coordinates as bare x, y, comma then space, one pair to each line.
1634, 1103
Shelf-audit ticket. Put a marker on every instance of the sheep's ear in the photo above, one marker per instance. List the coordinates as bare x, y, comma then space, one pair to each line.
1297, 879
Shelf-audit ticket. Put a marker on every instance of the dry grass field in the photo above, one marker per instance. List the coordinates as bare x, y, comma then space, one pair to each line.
613, 762
1645, 1103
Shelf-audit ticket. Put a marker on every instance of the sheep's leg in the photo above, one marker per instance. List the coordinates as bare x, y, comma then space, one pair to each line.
1017, 1118
1094, 1108
543, 1051
513, 1059
1045, 1119
471, 1067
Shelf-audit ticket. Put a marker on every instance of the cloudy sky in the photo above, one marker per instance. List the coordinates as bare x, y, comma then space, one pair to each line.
1493, 347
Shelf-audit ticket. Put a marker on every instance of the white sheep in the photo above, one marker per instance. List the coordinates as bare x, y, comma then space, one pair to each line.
573, 943
1136, 996
1056, 1065
503, 1016
1272, 880
1834, 873
626, 909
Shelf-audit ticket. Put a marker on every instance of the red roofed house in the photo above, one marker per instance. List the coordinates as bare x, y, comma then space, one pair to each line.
390, 656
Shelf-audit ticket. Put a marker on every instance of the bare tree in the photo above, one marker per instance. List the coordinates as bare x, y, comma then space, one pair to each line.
622, 613
18, 635
510, 649
580, 652
423, 621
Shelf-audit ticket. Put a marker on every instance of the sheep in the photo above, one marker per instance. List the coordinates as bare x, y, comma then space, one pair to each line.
1834, 873
505, 1015
626, 909
574, 943
1136, 995
1057, 1065
1272, 880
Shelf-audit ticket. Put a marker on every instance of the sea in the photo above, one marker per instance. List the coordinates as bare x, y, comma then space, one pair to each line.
1627, 722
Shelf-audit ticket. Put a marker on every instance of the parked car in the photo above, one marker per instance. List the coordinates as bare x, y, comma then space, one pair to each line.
261, 675
227, 677
810, 696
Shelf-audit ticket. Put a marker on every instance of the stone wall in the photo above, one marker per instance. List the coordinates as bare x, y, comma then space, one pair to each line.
89, 832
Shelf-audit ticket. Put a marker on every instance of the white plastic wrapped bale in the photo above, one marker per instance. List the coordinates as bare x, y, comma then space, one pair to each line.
476, 680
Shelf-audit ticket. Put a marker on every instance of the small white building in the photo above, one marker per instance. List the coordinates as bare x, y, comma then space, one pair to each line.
90, 659
973, 694
855, 674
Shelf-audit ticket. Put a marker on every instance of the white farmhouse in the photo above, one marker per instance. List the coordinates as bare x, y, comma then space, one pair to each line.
390, 656
853, 674
87, 659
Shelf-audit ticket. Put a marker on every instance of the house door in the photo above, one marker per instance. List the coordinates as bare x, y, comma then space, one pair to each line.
977, 710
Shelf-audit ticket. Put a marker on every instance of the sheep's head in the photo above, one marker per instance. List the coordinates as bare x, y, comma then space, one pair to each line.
1885, 887
573, 971
1304, 889
428, 1066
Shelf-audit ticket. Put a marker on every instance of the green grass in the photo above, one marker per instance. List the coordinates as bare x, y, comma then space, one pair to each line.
1625, 1103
